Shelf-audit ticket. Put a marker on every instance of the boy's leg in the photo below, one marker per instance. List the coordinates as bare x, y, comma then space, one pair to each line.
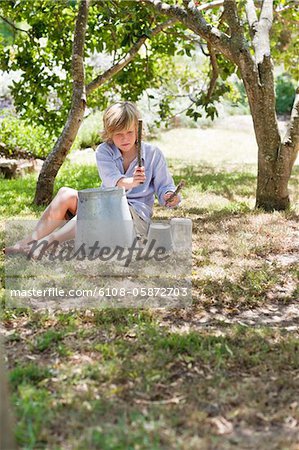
141, 226
66, 199
62, 234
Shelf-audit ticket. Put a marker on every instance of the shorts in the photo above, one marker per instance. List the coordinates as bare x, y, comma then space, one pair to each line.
141, 226
69, 215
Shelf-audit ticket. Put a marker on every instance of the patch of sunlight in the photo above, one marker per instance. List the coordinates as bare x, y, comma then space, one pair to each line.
207, 201
213, 272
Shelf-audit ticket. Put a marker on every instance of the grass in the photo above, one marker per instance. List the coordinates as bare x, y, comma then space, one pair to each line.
17, 194
33, 405
28, 373
158, 389
221, 374
47, 340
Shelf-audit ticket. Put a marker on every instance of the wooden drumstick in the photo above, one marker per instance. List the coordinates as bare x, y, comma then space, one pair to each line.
139, 137
179, 187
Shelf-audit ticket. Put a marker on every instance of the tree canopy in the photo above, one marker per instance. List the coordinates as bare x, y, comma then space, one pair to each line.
42, 49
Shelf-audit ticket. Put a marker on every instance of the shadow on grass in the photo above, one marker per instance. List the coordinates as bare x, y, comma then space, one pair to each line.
222, 182
261, 286
154, 388
235, 185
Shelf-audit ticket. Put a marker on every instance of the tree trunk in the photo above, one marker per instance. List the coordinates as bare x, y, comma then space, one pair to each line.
46, 179
272, 188
272, 182
7, 441
276, 156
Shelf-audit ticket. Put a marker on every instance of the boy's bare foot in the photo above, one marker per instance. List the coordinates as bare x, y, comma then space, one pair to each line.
13, 250
17, 249
20, 247
30, 249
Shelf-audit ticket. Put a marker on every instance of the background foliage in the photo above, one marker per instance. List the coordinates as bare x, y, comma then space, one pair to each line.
21, 137
169, 77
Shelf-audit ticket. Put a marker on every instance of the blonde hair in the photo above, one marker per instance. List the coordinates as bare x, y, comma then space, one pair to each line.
119, 116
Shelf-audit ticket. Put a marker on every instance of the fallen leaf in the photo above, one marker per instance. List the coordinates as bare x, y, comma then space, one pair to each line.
222, 425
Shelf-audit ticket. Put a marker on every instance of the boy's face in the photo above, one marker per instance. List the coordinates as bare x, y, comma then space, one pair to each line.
125, 139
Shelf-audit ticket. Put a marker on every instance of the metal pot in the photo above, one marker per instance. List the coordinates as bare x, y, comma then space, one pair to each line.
159, 235
104, 216
181, 231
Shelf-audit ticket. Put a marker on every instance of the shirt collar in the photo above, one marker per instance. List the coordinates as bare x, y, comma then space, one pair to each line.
117, 153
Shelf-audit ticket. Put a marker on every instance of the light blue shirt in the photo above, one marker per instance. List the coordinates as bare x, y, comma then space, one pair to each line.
158, 179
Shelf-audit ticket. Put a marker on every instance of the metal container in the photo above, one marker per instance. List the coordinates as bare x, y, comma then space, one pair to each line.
181, 231
159, 235
104, 216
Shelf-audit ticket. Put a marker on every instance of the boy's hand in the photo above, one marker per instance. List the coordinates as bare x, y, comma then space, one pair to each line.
138, 176
173, 202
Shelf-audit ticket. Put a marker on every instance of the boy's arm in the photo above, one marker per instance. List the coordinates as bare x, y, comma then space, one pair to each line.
107, 168
171, 200
109, 173
131, 182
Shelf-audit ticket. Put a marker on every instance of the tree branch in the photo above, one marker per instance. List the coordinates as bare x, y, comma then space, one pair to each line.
123, 62
261, 41
53, 162
204, 7
251, 15
32, 40
292, 133
218, 3
267, 11
231, 13
212, 5
202, 49
194, 20
289, 148
291, 4
188, 3
190, 38
11, 24
215, 71
181, 112
260, 28
78, 50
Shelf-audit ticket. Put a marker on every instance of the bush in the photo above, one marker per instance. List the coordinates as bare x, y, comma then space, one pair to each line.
285, 94
21, 139
89, 134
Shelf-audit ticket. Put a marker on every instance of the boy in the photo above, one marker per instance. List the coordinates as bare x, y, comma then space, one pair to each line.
116, 160
117, 165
